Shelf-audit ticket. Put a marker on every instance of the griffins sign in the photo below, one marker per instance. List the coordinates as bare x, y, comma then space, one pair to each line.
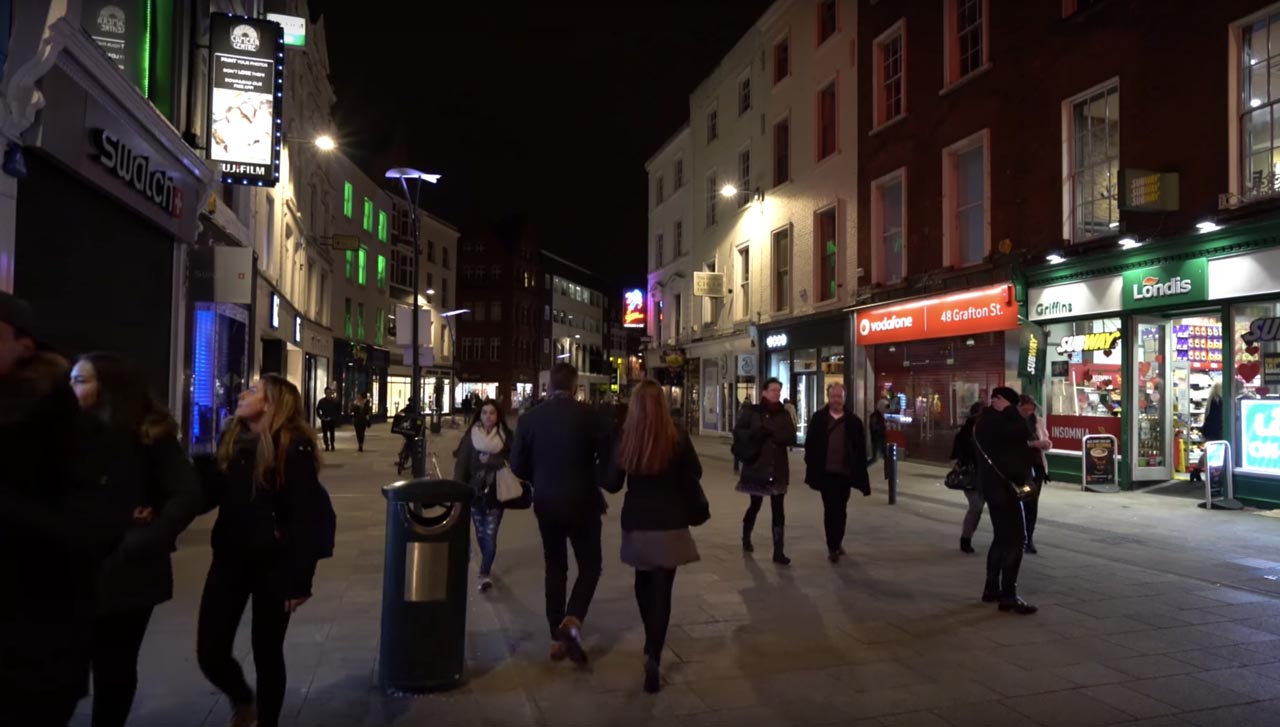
246, 91
134, 168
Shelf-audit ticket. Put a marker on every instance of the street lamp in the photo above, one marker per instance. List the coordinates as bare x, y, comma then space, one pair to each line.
453, 351
324, 142
404, 174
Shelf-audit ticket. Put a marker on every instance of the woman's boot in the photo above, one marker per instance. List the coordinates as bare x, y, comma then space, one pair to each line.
748, 524
779, 557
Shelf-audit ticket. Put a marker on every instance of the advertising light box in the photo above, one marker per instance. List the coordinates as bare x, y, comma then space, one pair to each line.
1260, 436
633, 313
246, 95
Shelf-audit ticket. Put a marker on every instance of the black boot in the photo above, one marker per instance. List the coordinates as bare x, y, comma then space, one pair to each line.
747, 526
652, 676
779, 557
990, 591
966, 545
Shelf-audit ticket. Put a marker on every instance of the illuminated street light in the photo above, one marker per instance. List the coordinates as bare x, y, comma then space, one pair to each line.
728, 190
324, 142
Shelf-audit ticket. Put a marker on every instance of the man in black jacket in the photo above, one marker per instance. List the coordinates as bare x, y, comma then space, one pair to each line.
556, 448
835, 451
1004, 460
328, 409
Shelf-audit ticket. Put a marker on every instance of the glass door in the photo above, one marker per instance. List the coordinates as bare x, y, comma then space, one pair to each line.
1151, 423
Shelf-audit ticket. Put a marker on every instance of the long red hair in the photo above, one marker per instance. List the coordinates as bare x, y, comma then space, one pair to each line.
648, 436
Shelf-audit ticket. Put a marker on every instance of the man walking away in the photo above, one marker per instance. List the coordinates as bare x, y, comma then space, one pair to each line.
557, 446
328, 409
55, 531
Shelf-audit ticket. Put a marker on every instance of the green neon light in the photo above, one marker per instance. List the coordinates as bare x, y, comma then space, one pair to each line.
146, 56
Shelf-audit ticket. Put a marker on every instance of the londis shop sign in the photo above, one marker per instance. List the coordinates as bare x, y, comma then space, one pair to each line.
1163, 286
956, 314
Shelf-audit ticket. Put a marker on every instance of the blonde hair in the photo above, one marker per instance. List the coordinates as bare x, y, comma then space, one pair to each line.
285, 423
648, 435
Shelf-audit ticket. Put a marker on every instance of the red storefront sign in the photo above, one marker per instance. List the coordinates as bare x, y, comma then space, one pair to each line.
956, 314
1067, 431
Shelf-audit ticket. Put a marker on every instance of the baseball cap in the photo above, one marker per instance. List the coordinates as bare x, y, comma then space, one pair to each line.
1006, 393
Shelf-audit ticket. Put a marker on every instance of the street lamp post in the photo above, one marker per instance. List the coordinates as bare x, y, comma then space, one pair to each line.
404, 174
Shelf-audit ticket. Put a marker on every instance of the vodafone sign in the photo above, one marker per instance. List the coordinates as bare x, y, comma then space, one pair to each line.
956, 314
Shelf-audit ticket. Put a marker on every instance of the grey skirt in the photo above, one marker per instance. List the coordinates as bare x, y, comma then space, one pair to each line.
658, 549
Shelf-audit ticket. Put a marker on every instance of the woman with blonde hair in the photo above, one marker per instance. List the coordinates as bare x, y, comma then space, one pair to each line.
274, 523
660, 468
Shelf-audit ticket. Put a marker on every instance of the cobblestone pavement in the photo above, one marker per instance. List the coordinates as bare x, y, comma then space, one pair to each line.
1153, 612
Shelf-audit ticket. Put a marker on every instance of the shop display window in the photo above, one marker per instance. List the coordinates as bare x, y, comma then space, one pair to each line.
1084, 390
1195, 374
1255, 344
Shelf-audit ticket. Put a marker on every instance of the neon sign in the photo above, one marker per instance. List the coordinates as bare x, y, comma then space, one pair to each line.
633, 315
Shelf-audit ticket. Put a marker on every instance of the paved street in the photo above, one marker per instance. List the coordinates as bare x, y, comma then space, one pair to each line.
1153, 612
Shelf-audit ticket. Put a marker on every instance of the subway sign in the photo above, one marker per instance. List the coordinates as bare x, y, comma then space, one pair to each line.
1086, 342
1166, 285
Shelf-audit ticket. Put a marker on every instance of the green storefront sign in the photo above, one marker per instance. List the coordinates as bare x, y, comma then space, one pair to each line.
1170, 284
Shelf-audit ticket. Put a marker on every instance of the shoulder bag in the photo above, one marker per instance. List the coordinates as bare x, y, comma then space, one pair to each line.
513, 493
1020, 491
960, 477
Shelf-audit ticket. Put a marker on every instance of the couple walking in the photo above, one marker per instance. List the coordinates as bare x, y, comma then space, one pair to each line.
569, 453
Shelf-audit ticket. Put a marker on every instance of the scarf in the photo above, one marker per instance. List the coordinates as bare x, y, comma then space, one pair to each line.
487, 443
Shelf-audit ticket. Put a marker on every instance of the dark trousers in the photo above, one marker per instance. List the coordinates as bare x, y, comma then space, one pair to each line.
835, 510
653, 596
584, 536
775, 509
328, 429
1005, 556
117, 638
880, 450
227, 590
360, 437
1031, 511
23, 707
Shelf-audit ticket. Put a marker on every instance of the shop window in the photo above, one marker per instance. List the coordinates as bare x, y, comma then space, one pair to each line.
1093, 149
1084, 386
1255, 344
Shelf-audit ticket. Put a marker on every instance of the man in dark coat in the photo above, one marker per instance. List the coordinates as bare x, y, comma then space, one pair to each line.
834, 452
1004, 460
53, 535
328, 409
557, 446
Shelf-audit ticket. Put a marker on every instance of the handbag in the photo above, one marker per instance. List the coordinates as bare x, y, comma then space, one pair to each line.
513, 493
696, 506
1020, 491
960, 477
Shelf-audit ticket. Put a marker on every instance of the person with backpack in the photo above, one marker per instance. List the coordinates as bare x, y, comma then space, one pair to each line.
761, 438
275, 521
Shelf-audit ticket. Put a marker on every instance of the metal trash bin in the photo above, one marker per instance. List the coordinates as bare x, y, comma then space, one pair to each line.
424, 585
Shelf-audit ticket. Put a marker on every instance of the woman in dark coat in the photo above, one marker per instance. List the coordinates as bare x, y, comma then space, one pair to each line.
1004, 459
657, 462
963, 454
274, 523
143, 471
760, 439
483, 450
835, 456
361, 411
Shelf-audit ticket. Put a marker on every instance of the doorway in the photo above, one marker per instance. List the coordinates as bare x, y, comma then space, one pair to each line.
1150, 421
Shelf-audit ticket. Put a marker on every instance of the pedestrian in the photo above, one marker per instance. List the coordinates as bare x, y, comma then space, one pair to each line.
965, 458
328, 409
879, 435
1004, 462
659, 466
746, 402
142, 469
466, 406
791, 409
835, 449
1038, 440
1212, 429
760, 439
361, 411
556, 449
274, 523
55, 530
482, 452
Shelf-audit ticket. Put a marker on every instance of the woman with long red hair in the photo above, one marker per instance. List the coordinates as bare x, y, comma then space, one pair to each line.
660, 468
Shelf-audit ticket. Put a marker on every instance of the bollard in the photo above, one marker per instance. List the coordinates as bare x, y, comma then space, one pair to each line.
891, 464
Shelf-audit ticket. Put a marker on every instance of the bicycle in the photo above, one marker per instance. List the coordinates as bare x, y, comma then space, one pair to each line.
412, 429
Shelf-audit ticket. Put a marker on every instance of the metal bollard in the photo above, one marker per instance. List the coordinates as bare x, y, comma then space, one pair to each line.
891, 464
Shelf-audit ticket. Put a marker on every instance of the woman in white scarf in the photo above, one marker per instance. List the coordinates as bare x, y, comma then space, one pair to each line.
483, 451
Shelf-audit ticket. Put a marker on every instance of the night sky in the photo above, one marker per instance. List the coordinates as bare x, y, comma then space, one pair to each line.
548, 110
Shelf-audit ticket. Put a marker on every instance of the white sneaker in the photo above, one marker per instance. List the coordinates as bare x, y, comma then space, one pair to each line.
485, 584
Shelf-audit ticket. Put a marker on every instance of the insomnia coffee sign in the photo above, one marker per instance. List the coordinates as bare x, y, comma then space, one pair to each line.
246, 94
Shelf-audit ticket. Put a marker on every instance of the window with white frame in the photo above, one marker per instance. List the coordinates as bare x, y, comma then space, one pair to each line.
659, 193
782, 152
713, 126
1259, 103
826, 20
781, 249
744, 177
966, 37
827, 121
658, 254
781, 59
1093, 157
965, 201
714, 307
713, 192
889, 71
744, 95
677, 238
826, 239
744, 281
888, 225
495, 345
679, 174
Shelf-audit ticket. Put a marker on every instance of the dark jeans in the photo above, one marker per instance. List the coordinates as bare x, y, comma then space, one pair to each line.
653, 596
1005, 556
227, 589
117, 638
835, 510
23, 707
584, 536
328, 429
775, 509
486, 520
360, 437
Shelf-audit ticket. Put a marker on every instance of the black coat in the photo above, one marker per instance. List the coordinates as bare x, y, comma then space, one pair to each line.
1003, 437
360, 415
815, 452
260, 523
657, 502
327, 409
138, 573
472, 467
55, 531
760, 439
557, 448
